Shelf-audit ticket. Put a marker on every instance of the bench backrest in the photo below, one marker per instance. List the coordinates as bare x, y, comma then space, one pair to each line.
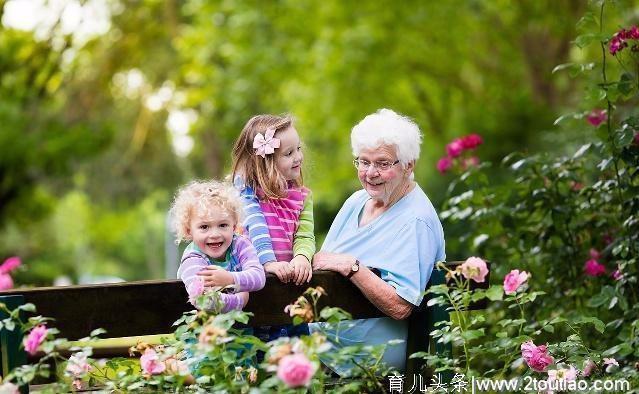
151, 307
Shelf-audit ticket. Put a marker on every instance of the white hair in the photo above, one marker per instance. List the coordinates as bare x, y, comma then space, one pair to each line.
387, 127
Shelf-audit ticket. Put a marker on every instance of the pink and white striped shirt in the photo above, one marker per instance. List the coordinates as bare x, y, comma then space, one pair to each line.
282, 218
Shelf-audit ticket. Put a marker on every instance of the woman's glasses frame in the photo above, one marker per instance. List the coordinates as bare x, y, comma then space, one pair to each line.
364, 165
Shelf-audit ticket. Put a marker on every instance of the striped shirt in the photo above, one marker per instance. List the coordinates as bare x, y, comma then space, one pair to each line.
279, 228
282, 218
241, 260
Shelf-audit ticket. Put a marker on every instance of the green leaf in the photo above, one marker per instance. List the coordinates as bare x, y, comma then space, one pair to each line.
583, 149
584, 40
228, 357
604, 164
599, 325
549, 328
625, 84
574, 69
587, 22
562, 67
518, 164
495, 293
9, 324
624, 136
478, 294
97, 331
27, 307
473, 334
480, 239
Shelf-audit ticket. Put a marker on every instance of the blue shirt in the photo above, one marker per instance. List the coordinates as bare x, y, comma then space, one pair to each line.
403, 243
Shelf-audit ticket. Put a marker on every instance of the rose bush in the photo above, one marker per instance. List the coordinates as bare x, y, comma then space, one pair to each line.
207, 353
569, 220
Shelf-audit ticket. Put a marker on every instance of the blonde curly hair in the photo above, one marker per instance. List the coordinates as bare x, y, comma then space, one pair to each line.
202, 198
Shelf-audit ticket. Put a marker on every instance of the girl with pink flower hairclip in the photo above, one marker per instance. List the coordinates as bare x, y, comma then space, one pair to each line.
267, 170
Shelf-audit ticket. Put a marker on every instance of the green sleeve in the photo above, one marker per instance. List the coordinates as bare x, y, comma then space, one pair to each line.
304, 240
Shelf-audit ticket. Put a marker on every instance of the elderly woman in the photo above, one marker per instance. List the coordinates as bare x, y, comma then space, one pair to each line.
390, 226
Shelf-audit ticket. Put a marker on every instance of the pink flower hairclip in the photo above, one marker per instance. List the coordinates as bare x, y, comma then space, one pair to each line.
265, 144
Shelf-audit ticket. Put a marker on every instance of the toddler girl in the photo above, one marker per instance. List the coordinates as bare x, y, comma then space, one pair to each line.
207, 213
267, 169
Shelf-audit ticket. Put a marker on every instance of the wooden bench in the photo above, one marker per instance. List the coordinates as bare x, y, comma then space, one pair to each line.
150, 307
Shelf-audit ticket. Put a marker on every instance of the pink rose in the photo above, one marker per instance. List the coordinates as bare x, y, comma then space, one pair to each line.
616, 275
514, 280
295, 370
593, 268
589, 366
195, 289
455, 147
77, 365
471, 141
150, 363
565, 374
594, 254
474, 268
6, 282
617, 42
444, 164
10, 264
536, 357
633, 33
596, 117
35, 339
610, 361
470, 162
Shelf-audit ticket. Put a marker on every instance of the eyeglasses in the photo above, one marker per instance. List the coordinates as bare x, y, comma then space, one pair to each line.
364, 165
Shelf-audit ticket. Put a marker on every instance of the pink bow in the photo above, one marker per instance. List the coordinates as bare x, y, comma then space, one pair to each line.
265, 144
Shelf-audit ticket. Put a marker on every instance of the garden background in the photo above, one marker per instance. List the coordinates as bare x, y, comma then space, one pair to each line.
106, 107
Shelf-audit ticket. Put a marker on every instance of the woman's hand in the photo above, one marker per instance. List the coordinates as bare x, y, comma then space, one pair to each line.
337, 262
302, 270
282, 269
215, 276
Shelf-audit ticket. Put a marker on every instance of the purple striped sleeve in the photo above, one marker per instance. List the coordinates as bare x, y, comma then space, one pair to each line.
188, 271
251, 276
231, 302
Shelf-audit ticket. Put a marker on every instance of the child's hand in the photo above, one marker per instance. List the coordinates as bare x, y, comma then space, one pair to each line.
282, 269
216, 276
302, 270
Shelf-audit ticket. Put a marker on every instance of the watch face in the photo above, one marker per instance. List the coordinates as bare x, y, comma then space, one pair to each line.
355, 267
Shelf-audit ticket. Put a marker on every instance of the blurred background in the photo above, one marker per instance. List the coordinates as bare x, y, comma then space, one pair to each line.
106, 106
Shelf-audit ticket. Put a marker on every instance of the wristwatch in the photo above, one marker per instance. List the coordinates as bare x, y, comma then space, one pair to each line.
354, 269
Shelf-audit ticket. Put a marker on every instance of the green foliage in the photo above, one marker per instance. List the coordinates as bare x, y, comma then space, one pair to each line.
209, 352
70, 126
551, 214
